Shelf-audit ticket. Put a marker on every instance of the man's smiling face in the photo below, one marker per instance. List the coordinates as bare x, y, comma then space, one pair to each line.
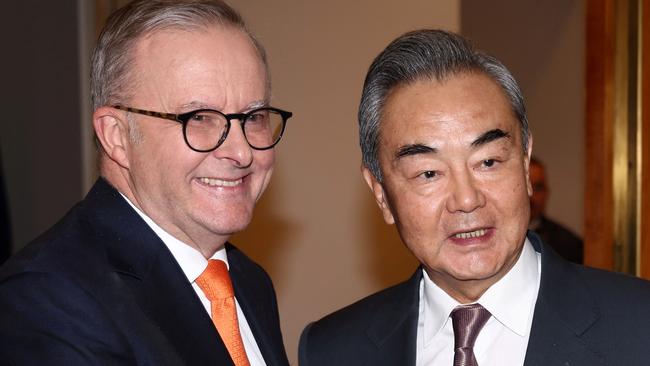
455, 179
200, 198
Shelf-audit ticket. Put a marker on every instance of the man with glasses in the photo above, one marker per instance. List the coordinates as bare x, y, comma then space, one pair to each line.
140, 272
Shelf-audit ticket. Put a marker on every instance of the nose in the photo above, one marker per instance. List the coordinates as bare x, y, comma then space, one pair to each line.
235, 147
465, 193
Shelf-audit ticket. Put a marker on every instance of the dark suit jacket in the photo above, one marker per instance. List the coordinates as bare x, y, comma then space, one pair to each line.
101, 288
583, 317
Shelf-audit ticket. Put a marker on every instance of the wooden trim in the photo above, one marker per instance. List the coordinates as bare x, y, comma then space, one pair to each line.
599, 114
645, 144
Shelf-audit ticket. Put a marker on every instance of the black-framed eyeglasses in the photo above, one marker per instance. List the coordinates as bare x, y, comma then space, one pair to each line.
204, 130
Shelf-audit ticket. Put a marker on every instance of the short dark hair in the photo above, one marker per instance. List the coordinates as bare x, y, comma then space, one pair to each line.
426, 54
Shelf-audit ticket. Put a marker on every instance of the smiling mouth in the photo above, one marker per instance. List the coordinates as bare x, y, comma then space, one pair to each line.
470, 234
212, 182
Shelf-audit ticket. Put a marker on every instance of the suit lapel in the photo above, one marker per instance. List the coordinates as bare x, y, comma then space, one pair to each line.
168, 299
563, 312
255, 295
146, 270
393, 328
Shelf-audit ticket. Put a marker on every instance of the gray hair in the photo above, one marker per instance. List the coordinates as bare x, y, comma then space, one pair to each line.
426, 54
112, 58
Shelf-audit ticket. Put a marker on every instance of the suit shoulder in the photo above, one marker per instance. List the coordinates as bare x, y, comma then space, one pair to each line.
350, 336
354, 319
68, 324
65, 247
615, 286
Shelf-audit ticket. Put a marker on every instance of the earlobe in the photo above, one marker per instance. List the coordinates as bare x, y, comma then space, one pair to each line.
379, 193
112, 134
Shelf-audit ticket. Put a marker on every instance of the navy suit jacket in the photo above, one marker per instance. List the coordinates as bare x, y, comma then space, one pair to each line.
583, 317
101, 288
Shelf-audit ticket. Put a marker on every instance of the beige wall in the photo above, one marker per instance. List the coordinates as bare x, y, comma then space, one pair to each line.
317, 230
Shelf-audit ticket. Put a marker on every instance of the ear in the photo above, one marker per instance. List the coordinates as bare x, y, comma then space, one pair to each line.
112, 132
529, 152
380, 196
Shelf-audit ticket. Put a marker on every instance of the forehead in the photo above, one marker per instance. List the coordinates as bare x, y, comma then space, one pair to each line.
458, 108
195, 62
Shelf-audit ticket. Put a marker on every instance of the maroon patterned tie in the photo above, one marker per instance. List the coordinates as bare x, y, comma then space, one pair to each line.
468, 320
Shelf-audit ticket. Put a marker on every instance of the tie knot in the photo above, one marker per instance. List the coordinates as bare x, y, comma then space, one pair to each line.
468, 320
215, 281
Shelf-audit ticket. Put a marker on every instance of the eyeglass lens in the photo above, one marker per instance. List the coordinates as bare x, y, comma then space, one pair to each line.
205, 129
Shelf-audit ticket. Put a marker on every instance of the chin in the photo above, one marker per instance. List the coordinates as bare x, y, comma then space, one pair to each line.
231, 226
477, 268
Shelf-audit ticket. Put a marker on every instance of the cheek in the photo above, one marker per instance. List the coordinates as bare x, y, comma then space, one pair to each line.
263, 161
263, 166
418, 218
514, 205
512, 192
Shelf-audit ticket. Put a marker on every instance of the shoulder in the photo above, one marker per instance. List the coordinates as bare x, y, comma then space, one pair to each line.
356, 329
363, 312
76, 244
581, 295
63, 249
616, 288
620, 305
55, 271
48, 317
563, 281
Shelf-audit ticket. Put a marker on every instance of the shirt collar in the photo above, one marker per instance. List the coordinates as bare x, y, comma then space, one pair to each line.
510, 301
191, 261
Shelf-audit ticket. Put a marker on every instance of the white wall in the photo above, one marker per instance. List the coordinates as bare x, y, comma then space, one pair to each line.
317, 230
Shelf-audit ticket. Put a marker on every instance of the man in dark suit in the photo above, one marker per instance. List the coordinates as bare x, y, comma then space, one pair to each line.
562, 240
140, 272
446, 151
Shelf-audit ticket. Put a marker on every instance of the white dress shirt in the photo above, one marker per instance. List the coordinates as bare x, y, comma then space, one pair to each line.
504, 338
193, 264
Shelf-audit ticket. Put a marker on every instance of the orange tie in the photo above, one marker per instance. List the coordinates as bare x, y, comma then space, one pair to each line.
216, 285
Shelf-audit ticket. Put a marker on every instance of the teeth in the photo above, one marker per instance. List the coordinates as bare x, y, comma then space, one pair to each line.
220, 183
471, 234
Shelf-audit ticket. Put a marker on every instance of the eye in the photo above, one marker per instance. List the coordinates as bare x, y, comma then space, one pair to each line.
429, 174
204, 117
488, 163
259, 116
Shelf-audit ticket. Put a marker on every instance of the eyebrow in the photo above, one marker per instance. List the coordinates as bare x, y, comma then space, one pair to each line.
258, 104
490, 136
414, 149
200, 105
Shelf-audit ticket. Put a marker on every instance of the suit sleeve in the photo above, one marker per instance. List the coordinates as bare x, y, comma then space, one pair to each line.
48, 320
